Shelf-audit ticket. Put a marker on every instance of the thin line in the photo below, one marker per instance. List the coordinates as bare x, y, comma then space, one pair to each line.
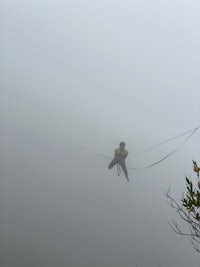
164, 142
168, 155
150, 148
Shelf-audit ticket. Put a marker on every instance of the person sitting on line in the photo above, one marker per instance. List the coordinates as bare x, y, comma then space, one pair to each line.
119, 158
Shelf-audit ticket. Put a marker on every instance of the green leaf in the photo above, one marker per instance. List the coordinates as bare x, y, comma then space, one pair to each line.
187, 180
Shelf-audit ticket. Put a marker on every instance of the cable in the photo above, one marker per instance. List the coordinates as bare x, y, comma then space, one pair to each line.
164, 142
94, 152
171, 153
194, 130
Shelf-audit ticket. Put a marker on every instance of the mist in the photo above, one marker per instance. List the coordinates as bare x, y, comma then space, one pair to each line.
91, 74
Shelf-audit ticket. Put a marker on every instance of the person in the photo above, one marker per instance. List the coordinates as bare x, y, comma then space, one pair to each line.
119, 158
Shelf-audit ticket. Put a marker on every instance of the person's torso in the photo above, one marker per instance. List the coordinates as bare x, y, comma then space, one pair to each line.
120, 154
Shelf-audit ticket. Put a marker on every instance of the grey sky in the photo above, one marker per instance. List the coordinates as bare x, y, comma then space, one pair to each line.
95, 73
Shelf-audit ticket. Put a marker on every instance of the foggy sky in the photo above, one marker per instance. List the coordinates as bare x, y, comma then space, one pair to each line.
95, 73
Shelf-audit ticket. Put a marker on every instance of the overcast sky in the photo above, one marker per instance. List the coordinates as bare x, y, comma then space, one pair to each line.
94, 73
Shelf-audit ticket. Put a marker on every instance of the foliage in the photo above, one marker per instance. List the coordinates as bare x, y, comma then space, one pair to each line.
189, 209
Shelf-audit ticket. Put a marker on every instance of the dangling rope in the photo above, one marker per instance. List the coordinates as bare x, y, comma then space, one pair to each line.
118, 169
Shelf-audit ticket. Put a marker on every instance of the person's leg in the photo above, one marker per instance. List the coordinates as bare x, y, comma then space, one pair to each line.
123, 165
112, 163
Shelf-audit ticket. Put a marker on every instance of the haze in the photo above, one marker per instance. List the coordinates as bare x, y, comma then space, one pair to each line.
94, 73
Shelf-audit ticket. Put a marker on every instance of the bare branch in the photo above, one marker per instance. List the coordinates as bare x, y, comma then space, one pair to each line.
189, 218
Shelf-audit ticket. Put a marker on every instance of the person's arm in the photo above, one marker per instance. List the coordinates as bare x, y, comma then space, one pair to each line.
125, 156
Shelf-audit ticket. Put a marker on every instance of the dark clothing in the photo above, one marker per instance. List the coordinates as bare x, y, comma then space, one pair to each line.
121, 163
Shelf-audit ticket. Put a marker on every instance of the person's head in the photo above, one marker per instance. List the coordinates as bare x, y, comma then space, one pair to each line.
122, 145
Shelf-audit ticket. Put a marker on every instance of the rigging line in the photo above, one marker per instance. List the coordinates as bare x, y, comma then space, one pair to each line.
94, 152
157, 162
162, 143
102, 155
168, 155
106, 157
132, 168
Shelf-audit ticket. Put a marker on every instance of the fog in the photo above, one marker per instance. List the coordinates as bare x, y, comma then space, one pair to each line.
94, 73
